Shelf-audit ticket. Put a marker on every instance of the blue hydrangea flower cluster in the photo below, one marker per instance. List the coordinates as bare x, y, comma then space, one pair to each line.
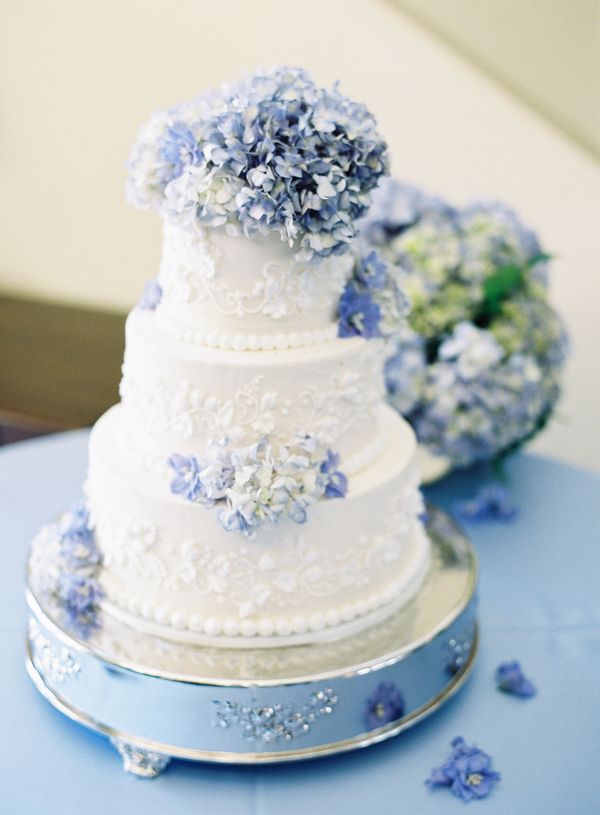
372, 303
491, 503
384, 706
511, 679
77, 589
270, 153
467, 772
476, 366
257, 485
151, 296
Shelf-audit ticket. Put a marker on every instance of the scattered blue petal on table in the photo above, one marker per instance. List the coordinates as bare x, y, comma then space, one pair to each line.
385, 705
510, 679
467, 772
491, 503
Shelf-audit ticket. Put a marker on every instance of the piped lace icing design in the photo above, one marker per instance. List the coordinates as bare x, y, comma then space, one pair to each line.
219, 290
250, 589
158, 406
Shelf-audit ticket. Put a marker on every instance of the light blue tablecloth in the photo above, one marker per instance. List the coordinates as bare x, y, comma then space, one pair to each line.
539, 602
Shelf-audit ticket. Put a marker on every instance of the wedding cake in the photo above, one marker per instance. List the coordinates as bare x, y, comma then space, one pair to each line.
252, 488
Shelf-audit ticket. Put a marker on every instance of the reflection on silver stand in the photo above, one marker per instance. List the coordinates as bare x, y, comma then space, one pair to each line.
156, 699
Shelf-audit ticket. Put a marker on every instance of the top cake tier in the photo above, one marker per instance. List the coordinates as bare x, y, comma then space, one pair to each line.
246, 294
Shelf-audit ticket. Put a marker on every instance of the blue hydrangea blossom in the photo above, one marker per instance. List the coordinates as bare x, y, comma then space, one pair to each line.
475, 367
259, 485
373, 302
272, 152
467, 772
77, 589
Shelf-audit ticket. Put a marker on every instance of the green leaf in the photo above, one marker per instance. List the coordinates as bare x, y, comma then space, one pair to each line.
497, 286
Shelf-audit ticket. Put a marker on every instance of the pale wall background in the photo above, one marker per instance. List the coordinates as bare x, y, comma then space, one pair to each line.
77, 78
547, 52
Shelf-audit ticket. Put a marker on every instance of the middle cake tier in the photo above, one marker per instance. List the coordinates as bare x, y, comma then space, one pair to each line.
178, 397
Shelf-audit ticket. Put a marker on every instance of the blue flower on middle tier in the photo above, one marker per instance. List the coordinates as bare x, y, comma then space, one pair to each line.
258, 485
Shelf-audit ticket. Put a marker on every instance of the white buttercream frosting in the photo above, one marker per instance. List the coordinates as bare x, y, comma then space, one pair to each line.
170, 563
178, 397
243, 344
233, 292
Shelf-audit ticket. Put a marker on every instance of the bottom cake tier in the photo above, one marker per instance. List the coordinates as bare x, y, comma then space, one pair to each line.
169, 567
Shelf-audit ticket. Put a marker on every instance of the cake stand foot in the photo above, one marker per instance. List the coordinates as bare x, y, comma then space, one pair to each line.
140, 762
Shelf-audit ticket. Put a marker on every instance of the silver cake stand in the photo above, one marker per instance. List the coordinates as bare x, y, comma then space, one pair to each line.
158, 700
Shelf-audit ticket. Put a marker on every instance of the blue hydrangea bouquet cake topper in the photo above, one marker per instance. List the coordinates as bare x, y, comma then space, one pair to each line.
272, 152
475, 367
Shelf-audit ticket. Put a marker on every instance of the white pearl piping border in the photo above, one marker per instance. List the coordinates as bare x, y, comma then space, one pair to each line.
250, 342
230, 632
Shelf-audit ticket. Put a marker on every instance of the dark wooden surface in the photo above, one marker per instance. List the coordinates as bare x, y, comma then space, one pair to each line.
59, 366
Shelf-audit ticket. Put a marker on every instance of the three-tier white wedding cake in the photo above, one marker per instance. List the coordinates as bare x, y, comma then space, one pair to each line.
252, 488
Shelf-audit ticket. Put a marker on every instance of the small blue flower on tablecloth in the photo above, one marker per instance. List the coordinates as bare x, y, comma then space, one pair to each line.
491, 503
467, 772
151, 296
384, 706
510, 679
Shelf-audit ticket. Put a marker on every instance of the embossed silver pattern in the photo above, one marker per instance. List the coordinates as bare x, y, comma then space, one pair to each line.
57, 665
138, 761
272, 723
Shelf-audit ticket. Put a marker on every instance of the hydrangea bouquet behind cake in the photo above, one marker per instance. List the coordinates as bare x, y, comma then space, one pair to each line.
252, 487
476, 367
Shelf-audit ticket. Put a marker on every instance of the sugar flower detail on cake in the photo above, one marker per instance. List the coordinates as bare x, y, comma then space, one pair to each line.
270, 153
66, 565
258, 485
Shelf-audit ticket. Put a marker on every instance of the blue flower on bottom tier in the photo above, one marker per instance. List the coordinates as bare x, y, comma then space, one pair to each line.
77, 545
467, 772
476, 366
259, 485
384, 706
77, 590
